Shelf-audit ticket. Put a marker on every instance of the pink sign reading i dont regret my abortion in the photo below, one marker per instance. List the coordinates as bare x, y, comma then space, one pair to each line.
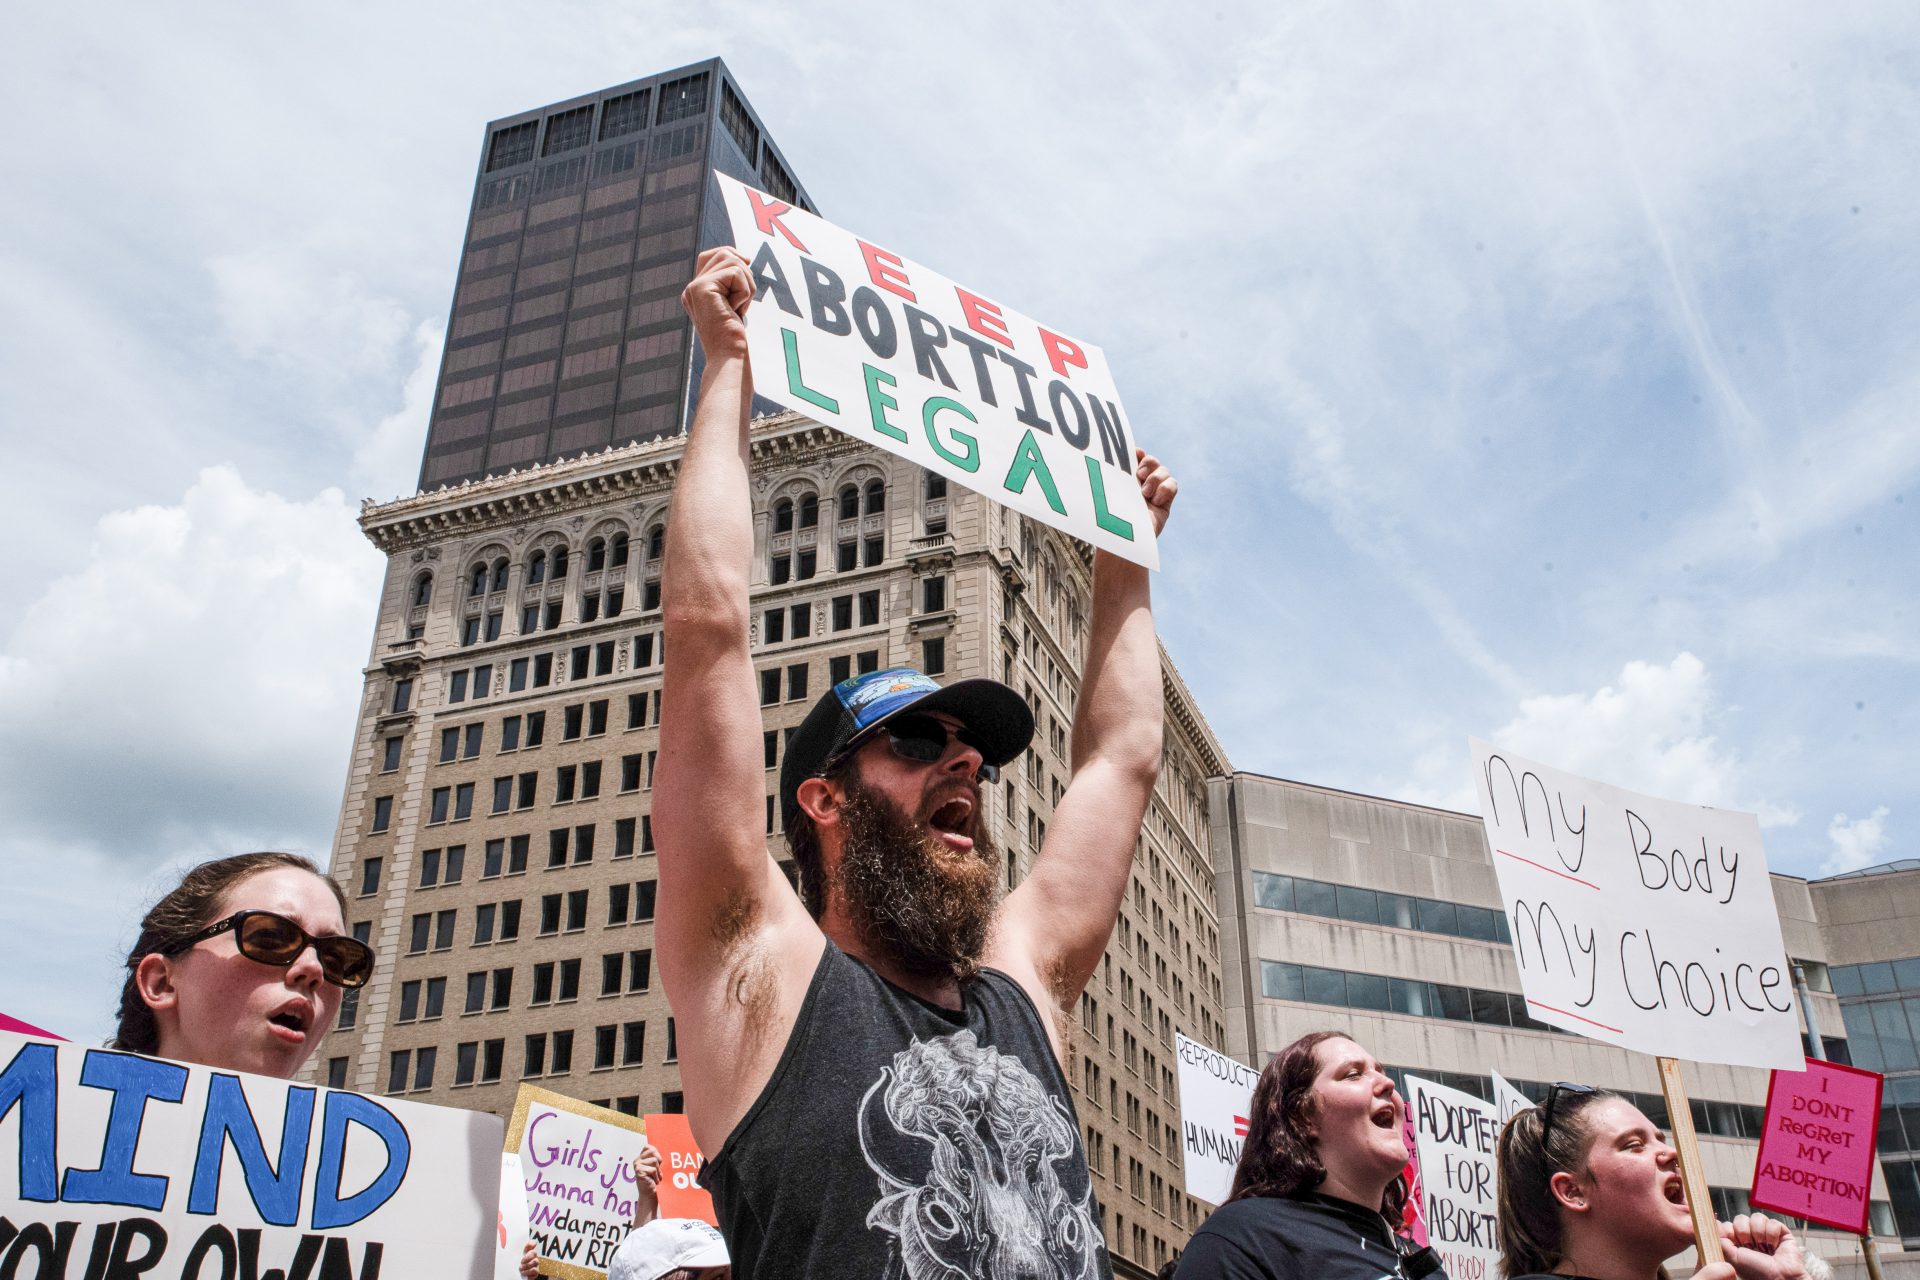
1816, 1149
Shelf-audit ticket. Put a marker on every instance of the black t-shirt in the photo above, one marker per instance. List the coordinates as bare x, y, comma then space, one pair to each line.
1309, 1237
898, 1139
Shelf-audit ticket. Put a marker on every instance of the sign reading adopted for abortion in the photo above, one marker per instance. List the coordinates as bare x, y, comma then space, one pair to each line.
896, 355
1641, 922
1456, 1134
1216, 1105
113, 1164
1816, 1148
576, 1160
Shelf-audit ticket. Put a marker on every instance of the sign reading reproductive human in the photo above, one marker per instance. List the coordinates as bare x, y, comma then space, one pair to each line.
900, 357
1456, 1134
1641, 922
576, 1160
681, 1195
1216, 1104
114, 1164
1816, 1148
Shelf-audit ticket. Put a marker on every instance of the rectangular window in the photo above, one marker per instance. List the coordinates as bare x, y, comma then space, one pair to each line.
773, 626
436, 998
673, 1043
639, 970
542, 674
612, 970
780, 570
517, 854
457, 687
643, 649
633, 1044
402, 695
769, 688
866, 661
842, 611
846, 556
409, 1001
549, 914
483, 923
589, 611
577, 661
510, 734
536, 728
572, 719
509, 920
869, 608
482, 680
596, 717
806, 564
492, 1056
796, 681
542, 984
646, 833
476, 735
465, 1058
429, 868
603, 662
636, 710
564, 779
576, 911
560, 1062
390, 760
456, 864
604, 1041
873, 551
336, 1073
369, 877
529, 619
933, 595
503, 794
557, 840
463, 802
449, 745
397, 1063
800, 621
528, 787
502, 988
569, 980
630, 772
476, 991
583, 843
933, 656
617, 904
623, 829
535, 1055
422, 932
443, 930
643, 896
839, 668
494, 859
517, 672
769, 748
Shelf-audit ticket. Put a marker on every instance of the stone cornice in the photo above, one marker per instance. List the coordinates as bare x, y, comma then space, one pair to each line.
1186, 711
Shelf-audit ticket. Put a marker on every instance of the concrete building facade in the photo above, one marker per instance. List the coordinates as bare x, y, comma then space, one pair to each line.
495, 838
1384, 920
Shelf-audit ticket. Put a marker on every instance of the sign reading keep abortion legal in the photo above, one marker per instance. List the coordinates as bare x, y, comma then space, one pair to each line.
897, 355
1816, 1148
114, 1164
1638, 921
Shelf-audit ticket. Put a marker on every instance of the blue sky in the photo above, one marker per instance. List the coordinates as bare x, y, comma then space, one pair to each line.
1545, 373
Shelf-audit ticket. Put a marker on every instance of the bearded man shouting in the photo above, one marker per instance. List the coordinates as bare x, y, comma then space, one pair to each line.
874, 1064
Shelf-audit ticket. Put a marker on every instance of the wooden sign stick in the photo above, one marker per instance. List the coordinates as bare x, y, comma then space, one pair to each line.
1706, 1234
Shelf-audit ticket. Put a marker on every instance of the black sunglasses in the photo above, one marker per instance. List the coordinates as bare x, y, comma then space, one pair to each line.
921, 739
273, 939
1554, 1091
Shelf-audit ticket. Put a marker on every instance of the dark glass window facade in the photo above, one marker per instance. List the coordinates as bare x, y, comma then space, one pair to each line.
566, 334
1880, 1003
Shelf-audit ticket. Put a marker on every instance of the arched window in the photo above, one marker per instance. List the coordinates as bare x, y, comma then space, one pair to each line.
422, 589
537, 569
559, 563
809, 510
876, 496
656, 542
500, 574
783, 516
619, 558
596, 555
849, 502
477, 580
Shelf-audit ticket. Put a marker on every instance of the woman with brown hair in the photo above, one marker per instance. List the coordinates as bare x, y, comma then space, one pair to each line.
1590, 1188
242, 966
1318, 1186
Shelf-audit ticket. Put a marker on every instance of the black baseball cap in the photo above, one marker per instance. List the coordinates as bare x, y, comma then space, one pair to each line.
997, 716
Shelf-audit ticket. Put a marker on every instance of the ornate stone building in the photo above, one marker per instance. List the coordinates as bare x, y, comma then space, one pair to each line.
495, 839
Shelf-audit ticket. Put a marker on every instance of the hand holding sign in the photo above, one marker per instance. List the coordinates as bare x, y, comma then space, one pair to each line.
717, 299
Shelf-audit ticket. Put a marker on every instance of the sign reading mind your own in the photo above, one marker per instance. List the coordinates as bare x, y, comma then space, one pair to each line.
1641, 922
895, 354
117, 1165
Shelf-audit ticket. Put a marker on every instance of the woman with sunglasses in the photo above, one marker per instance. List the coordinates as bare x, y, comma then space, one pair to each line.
242, 966
1318, 1188
1590, 1188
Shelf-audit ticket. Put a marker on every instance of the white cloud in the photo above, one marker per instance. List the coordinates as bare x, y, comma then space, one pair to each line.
387, 462
1648, 731
276, 303
1857, 842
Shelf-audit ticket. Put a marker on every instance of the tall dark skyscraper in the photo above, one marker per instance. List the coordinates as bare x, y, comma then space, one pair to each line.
566, 333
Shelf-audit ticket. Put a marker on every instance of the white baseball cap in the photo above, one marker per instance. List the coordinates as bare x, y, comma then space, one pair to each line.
666, 1244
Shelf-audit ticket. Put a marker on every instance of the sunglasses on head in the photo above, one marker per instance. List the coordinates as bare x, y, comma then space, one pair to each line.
273, 939
923, 740
1554, 1091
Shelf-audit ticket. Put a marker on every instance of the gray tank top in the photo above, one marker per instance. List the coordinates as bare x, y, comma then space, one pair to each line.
898, 1139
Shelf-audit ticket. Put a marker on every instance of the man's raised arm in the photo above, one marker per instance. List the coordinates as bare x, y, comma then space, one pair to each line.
1058, 920
720, 894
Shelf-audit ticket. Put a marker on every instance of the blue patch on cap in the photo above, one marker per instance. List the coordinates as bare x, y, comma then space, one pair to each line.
878, 694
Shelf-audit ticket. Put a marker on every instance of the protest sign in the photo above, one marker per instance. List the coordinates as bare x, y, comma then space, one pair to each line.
1456, 1135
1507, 1100
1637, 921
8, 1023
1413, 1214
512, 1236
1216, 1101
114, 1164
681, 1195
898, 356
576, 1162
1816, 1148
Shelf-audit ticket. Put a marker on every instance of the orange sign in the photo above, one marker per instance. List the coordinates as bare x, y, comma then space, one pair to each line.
681, 1195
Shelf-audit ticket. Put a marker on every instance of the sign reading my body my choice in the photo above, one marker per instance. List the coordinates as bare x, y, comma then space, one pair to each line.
896, 355
1638, 921
113, 1164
